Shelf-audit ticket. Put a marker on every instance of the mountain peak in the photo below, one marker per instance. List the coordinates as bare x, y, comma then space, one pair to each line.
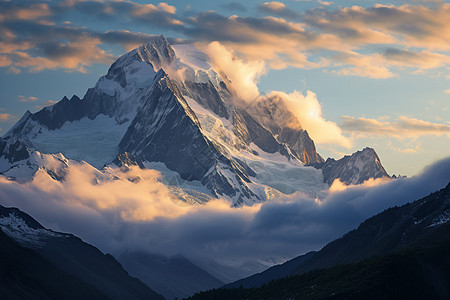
353, 169
158, 52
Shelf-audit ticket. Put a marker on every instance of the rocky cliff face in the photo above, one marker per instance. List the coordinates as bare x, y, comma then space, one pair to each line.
273, 113
353, 169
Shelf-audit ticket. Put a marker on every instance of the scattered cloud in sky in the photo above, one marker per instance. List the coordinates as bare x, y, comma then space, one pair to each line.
4, 117
356, 64
421, 60
278, 9
400, 128
26, 99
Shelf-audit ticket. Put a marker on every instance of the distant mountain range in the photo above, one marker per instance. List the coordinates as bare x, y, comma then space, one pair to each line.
143, 111
401, 253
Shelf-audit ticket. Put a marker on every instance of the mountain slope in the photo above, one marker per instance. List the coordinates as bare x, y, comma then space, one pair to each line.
420, 223
273, 273
419, 273
174, 277
74, 257
25, 274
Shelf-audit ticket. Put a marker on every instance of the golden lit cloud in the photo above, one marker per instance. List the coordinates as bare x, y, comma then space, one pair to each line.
308, 111
242, 74
34, 11
26, 99
402, 127
4, 117
73, 55
356, 64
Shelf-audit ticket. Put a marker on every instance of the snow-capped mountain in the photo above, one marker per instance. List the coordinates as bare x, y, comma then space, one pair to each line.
167, 107
353, 169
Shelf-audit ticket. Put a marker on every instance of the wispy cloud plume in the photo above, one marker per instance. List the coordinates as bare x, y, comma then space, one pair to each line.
308, 111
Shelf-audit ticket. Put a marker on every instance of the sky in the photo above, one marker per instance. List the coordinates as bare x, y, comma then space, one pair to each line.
370, 73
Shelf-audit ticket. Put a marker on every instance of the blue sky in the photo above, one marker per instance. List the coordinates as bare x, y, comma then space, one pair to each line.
379, 70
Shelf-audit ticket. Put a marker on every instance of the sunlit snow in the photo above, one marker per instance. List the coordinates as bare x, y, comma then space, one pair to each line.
94, 141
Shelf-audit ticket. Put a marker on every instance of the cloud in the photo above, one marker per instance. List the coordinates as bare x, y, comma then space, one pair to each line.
284, 42
402, 127
325, 3
5, 61
308, 111
13, 11
5, 117
46, 103
242, 74
161, 15
34, 42
422, 60
427, 27
72, 55
36, 47
26, 99
356, 64
278, 9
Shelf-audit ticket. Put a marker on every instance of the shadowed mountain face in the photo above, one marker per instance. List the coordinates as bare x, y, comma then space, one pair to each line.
419, 273
53, 254
174, 277
25, 274
423, 224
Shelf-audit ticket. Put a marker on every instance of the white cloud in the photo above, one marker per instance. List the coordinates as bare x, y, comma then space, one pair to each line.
308, 111
242, 74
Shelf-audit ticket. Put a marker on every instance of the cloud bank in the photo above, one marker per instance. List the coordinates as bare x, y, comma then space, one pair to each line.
119, 214
350, 41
